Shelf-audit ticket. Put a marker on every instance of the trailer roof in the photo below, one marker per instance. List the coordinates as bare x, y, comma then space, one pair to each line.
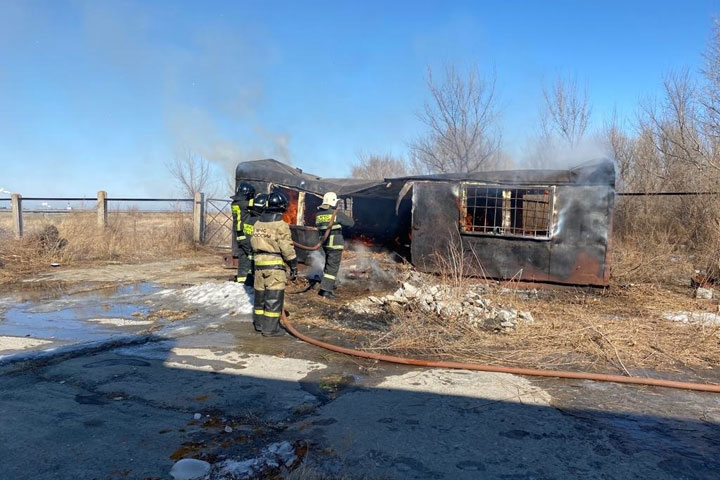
597, 172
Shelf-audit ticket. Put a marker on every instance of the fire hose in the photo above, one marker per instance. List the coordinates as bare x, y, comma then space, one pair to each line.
598, 377
322, 240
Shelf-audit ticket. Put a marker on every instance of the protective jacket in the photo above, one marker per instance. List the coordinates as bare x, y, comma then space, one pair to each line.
322, 220
333, 246
272, 246
240, 215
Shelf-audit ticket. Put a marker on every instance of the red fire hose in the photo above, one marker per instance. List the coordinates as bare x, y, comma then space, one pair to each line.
599, 377
322, 240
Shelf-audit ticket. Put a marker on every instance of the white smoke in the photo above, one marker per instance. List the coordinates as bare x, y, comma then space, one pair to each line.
316, 261
209, 88
551, 153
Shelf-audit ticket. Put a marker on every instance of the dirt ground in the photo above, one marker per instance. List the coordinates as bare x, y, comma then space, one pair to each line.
622, 329
344, 417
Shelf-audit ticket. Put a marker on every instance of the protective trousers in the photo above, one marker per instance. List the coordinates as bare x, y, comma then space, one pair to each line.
333, 256
269, 298
245, 262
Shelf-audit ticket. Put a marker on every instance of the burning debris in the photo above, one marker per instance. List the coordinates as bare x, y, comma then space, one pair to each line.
450, 304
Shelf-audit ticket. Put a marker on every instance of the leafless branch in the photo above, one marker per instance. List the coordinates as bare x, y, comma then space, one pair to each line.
461, 119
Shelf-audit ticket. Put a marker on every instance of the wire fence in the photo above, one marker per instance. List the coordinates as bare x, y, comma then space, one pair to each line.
18, 213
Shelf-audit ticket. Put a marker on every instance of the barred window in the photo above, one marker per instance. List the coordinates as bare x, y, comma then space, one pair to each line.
345, 205
508, 211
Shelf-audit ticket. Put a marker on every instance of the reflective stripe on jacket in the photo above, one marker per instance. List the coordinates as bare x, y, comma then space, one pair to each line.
272, 242
239, 210
335, 240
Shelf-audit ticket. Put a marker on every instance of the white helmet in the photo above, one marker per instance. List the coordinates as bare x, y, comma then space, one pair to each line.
330, 199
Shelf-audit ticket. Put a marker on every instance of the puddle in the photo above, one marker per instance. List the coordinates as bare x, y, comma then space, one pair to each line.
86, 316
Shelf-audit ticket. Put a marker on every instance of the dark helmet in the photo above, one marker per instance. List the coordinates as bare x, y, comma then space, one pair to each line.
277, 202
259, 203
245, 190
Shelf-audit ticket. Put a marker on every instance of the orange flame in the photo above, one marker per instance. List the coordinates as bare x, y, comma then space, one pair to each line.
290, 215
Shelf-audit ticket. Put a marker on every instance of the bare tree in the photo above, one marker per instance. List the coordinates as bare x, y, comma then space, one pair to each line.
566, 111
461, 118
191, 172
378, 167
676, 128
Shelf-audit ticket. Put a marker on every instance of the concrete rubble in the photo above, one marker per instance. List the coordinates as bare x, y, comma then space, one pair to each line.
704, 293
451, 304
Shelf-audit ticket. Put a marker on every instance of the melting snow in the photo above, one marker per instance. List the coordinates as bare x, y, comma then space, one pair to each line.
696, 318
20, 343
120, 322
229, 297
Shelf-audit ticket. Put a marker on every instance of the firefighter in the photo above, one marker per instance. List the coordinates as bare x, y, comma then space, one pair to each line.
334, 244
241, 202
255, 210
272, 246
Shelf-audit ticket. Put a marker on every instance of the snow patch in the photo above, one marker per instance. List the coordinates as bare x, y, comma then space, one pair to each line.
229, 298
20, 343
695, 318
120, 322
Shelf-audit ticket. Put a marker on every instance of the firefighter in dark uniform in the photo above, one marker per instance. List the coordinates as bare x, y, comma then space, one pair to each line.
255, 210
273, 247
334, 244
241, 202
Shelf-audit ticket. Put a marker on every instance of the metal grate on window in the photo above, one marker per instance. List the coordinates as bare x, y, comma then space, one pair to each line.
506, 211
345, 206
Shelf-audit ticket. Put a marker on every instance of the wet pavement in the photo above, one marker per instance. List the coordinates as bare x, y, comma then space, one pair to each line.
129, 411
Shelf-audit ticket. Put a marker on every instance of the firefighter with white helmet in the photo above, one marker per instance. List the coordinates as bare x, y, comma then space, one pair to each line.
335, 242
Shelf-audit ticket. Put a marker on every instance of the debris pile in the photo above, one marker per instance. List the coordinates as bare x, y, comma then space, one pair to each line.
274, 459
448, 303
704, 293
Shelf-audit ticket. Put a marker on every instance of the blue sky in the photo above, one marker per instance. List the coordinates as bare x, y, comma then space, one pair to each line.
99, 95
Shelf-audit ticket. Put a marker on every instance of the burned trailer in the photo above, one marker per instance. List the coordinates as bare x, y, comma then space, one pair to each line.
528, 225
370, 203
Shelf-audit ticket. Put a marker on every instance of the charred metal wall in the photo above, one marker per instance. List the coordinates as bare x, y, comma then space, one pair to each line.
576, 253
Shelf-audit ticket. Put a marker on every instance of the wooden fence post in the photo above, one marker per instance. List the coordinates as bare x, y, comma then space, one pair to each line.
199, 218
16, 207
102, 208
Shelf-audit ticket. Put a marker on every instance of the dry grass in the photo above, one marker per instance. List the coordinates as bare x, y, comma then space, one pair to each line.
613, 331
665, 239
618, 330
129, 237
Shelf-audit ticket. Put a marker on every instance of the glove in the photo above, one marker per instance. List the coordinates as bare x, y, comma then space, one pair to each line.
293, 269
